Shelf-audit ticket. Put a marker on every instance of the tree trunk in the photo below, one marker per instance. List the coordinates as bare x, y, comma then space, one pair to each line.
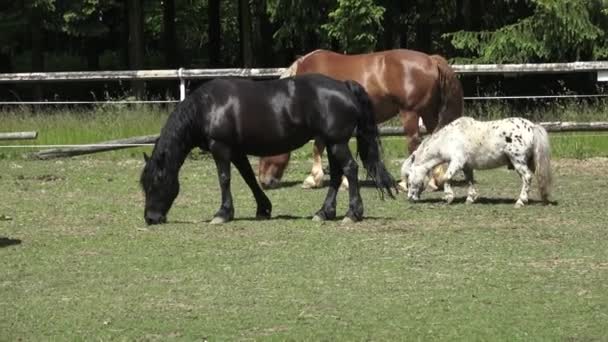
424, 29
37, 48
263, 35
389, 24
136, 43
245, 34
92, 47
214, 32
124, 36
169, 36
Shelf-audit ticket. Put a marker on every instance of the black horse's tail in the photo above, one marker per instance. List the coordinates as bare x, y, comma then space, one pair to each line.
368, 142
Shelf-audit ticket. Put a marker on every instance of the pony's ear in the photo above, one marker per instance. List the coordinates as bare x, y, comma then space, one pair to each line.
146, 157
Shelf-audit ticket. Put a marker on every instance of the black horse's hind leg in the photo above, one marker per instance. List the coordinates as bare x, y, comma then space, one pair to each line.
349, 167
242, 164
222, 155
328, 210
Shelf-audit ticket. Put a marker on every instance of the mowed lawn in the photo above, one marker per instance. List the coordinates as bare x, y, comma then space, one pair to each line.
78, 262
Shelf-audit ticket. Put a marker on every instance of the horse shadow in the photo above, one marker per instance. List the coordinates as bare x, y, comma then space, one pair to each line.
485, 201
5, 242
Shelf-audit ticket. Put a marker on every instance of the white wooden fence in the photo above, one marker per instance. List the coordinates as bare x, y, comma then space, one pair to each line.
598, 67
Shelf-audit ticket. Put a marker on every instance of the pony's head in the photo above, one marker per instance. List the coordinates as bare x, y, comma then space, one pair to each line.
160, 186
416, 180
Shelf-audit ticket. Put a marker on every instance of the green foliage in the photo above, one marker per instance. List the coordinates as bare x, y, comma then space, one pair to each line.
85, 18
355, 24
296, 20
558, 30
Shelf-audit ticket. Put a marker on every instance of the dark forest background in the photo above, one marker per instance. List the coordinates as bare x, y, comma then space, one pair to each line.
70, 35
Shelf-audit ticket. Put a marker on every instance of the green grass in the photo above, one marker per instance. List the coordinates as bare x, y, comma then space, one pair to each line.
87, 268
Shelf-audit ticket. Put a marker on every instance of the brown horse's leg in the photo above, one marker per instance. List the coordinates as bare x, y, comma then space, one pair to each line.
270, 170
315, 179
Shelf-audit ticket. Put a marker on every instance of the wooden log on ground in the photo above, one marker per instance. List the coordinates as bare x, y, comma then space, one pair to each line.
568, 126
94, 148
559, 126
18, 135
555, 126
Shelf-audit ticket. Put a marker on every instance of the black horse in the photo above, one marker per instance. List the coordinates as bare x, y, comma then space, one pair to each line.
233, 118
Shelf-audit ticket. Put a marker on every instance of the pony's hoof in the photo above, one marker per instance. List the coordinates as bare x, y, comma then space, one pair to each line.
449, 199
470, 200
519, 204
218, 220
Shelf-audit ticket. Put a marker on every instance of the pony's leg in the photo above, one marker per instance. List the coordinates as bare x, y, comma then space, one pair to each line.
526, 179
315, 179
264, 206
328, 210
222, 155
453, 167
341, 153
468, 177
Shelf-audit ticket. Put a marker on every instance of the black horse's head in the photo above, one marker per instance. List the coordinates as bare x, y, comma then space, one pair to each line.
160, 185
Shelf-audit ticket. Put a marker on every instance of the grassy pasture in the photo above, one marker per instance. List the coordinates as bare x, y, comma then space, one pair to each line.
79, 263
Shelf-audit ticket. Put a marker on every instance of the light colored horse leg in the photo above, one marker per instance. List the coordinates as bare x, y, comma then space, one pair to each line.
448, 192
315, 179
411, 122
453, 167
471, 193
526, 179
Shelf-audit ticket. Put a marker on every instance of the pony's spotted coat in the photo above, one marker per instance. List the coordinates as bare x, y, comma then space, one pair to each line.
468, 144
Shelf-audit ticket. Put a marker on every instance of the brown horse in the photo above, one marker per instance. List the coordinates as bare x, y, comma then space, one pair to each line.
411, 83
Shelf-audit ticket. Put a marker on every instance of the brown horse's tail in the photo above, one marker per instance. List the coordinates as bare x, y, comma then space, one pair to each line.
450, 88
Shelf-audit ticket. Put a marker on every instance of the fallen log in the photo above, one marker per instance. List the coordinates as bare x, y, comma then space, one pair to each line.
94, 148
18, 135
557, 126
554, 126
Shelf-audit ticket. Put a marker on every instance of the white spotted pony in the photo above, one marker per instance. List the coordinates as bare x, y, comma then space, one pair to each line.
467, 144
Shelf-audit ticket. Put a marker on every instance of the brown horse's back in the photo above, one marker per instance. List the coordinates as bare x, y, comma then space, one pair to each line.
396, 80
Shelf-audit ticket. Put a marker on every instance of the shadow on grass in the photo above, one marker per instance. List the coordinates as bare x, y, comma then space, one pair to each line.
5, 242
485, 201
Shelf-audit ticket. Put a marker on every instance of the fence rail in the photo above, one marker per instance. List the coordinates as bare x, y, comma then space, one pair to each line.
18, 135
173, 74
181, 74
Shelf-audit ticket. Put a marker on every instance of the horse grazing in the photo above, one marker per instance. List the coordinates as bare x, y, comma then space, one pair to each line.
407, 82
467, 144
233, 118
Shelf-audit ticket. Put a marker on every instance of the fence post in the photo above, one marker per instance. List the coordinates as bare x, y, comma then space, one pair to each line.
182, 84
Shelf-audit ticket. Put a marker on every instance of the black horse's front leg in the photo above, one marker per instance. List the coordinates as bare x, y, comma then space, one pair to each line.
264, 206
222, 155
